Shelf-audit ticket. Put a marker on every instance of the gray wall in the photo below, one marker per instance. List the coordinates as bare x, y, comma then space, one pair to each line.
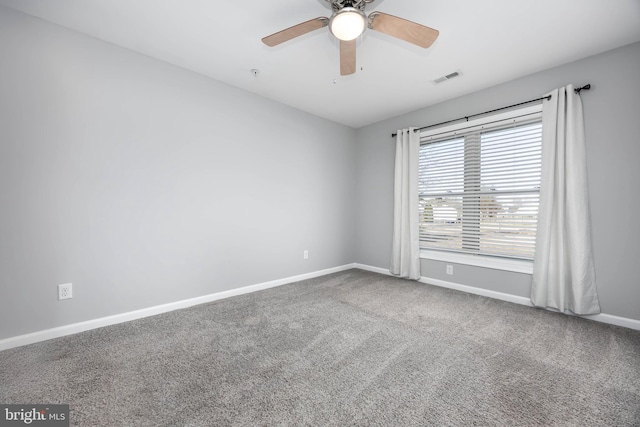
143, 184
612, 118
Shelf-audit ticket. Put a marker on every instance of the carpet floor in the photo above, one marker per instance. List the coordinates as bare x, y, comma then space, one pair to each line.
351, 348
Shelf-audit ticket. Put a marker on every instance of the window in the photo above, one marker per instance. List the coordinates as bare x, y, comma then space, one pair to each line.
479, 185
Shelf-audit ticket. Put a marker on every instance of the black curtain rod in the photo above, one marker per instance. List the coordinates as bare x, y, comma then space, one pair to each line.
577, 90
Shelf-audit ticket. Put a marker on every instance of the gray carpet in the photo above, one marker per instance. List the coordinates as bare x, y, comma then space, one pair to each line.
351, 348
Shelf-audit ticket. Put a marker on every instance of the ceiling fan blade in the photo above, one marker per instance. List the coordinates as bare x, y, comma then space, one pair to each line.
403, 29
347, 57
295, 31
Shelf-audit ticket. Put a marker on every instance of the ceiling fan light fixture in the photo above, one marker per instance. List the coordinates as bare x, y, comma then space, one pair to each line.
348, 23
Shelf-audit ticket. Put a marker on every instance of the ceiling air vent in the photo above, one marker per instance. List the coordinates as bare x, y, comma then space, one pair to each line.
447, 77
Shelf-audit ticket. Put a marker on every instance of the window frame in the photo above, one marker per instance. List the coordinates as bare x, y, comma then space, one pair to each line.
479, 260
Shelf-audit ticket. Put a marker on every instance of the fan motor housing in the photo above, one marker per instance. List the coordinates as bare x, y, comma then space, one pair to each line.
341, 4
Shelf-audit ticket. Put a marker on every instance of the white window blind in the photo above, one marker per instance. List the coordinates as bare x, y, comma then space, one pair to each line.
479, 187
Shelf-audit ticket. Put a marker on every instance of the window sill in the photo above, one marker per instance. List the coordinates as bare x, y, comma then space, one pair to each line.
506, 264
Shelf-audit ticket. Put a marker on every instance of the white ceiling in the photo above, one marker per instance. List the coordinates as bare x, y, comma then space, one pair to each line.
489, 42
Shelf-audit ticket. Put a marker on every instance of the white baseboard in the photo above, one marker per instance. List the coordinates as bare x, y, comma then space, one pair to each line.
615, 320
477, 291
603, 318
75, 328
373, 269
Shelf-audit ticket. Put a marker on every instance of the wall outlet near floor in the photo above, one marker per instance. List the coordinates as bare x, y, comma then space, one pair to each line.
305, 254
450, 270
65, 291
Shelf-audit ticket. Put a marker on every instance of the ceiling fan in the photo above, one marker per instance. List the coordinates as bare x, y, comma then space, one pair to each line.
348, 22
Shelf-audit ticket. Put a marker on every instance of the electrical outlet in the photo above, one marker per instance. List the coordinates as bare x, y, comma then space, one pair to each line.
305, 255
450, 270
65, 291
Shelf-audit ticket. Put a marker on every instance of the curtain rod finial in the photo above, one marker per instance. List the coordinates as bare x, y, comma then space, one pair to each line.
585, 87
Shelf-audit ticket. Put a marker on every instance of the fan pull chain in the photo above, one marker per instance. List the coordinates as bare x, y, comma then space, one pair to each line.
361, 51
336, 63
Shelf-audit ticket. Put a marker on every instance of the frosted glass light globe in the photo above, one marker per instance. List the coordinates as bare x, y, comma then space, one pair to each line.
348, 23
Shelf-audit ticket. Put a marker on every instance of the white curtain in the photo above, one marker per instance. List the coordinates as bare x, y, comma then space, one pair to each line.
563, 270
405, 253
